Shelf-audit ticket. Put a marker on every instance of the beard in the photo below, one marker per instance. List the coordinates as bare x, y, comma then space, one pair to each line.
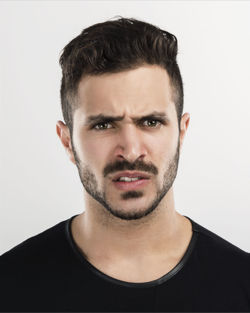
90, 184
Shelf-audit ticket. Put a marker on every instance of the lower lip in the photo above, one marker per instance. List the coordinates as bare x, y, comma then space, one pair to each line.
122, 185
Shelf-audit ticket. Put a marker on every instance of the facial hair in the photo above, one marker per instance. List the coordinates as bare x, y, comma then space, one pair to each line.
90, 184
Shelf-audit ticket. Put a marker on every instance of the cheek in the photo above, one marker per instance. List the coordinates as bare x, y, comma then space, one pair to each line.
91, 151
163, 147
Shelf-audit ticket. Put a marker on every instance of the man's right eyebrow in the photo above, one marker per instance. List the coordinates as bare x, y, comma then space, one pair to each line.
102, 117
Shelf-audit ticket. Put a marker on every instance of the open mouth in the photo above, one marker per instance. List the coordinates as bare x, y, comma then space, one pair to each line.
128, 179
132, 183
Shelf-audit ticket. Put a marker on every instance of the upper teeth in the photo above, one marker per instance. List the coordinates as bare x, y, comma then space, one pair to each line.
128, 178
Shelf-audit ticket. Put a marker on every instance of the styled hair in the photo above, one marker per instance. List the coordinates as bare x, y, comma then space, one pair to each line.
115, 46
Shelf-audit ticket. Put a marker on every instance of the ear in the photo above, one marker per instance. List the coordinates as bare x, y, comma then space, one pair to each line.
63, 133
184, 126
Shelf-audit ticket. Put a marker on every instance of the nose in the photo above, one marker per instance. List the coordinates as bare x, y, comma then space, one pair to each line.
130, 144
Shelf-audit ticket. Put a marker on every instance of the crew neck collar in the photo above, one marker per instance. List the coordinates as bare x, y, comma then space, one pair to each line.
113, 280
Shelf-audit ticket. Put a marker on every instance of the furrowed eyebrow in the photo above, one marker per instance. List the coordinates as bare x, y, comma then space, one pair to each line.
102, 117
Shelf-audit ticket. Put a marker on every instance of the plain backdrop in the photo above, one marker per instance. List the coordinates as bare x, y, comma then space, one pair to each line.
40, 187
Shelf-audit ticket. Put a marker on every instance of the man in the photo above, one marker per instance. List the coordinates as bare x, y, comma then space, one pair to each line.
130, 250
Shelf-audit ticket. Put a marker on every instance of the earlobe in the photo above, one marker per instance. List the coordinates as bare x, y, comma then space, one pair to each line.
63, 133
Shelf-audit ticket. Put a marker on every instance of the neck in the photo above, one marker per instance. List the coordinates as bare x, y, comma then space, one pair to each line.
102, 236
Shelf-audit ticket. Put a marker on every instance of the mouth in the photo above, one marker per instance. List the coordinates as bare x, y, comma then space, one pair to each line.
134, 184
128, 180
128, 176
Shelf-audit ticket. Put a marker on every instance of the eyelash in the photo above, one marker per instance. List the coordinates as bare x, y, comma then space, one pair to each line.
106, 122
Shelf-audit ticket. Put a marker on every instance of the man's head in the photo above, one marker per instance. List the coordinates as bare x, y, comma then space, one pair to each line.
125, 69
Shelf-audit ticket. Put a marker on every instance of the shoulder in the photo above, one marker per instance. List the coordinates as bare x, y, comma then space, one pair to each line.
209, 239
37, 248
219, 253
33, 268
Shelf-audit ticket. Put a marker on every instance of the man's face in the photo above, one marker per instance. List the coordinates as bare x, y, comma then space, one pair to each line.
103, 148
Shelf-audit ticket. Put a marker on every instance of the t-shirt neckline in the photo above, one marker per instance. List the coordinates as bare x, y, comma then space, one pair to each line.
113, 280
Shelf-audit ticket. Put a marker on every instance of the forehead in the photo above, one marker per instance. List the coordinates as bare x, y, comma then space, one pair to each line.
132, 92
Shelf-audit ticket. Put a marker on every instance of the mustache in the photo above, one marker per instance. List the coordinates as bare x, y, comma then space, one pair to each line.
125, 165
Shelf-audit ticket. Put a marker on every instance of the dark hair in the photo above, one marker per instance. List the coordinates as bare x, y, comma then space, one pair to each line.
115, 46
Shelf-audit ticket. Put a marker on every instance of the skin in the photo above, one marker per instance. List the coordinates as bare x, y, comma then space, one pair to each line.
134, 236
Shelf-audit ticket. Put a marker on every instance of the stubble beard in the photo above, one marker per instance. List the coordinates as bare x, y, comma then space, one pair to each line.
90, 184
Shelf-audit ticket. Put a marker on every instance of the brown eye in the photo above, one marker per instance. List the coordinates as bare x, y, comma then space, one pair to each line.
100, 126
154, 124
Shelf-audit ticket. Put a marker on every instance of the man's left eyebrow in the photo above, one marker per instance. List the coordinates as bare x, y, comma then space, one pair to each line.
102, 117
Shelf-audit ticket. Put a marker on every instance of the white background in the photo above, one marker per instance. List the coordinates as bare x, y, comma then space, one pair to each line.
40, 187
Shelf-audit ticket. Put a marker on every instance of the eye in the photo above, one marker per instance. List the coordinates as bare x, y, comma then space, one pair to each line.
155, 123
100, 124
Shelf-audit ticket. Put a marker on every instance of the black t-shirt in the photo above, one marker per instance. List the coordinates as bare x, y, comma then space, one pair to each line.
48, 272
